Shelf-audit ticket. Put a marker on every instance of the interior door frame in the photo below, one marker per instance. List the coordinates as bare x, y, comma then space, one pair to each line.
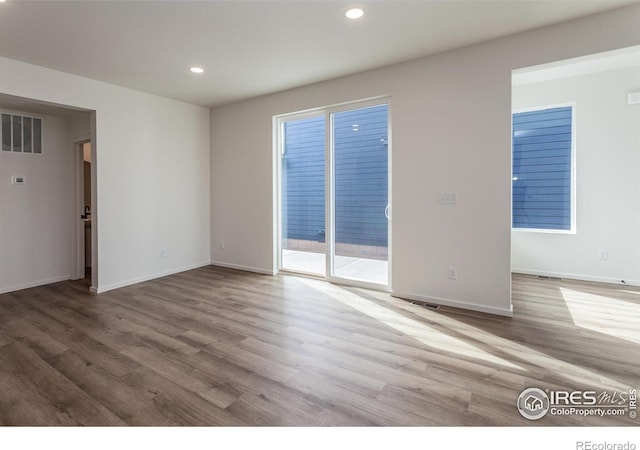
78, 241
278, 145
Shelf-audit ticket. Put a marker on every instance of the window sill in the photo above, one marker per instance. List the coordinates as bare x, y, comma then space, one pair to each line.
543, 231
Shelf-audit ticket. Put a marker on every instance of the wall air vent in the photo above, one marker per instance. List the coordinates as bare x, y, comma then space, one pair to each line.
425, 304
21, 134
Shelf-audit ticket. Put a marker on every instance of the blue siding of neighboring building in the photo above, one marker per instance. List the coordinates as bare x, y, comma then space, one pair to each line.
361, 177
542, 169
303, 167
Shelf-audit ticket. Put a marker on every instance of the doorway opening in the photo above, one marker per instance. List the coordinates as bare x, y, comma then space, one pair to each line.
41, 208
575, 168
86, 211
83, 213
333, 194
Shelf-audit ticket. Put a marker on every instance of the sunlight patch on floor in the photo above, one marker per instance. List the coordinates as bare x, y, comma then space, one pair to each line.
597, 316
432, 337
578, 375
410, 327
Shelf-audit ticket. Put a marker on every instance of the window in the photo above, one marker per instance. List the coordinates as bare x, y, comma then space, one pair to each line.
543, 169
21, 134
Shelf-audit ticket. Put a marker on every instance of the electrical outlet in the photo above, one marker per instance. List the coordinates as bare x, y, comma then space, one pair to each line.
603, 255
221, 245
453, 273
163, 253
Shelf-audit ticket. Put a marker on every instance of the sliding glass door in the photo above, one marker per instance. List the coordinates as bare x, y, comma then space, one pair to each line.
302, 169
334, 194
360, 166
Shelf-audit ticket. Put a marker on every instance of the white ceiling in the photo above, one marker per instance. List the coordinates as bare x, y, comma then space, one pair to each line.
249, 48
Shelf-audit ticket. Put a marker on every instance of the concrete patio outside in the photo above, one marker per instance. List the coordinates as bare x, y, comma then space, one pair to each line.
355, 268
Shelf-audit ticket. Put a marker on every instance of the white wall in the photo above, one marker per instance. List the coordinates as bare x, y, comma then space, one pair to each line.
35, 241
80, 126
451, 133
153, 179
607, 181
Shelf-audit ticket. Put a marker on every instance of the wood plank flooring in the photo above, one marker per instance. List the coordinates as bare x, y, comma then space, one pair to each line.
217, 347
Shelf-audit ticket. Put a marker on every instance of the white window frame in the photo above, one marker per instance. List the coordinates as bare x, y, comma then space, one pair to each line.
573, 229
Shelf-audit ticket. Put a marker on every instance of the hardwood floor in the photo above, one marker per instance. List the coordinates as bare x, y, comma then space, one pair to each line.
220, 347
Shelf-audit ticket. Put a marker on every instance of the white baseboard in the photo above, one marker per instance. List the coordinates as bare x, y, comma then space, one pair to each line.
244, 268
455, 304
110, 287
575, 276
19, 287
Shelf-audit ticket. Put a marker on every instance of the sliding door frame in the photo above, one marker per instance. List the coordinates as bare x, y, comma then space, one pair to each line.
278, 145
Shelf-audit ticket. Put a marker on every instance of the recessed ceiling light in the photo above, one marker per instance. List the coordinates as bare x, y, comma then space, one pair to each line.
197, 69
354, 13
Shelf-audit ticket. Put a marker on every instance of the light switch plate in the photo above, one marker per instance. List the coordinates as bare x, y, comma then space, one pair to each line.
447, 198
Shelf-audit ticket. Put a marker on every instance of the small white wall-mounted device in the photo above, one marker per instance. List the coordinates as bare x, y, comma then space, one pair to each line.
634, 98
18, 179
447, 198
